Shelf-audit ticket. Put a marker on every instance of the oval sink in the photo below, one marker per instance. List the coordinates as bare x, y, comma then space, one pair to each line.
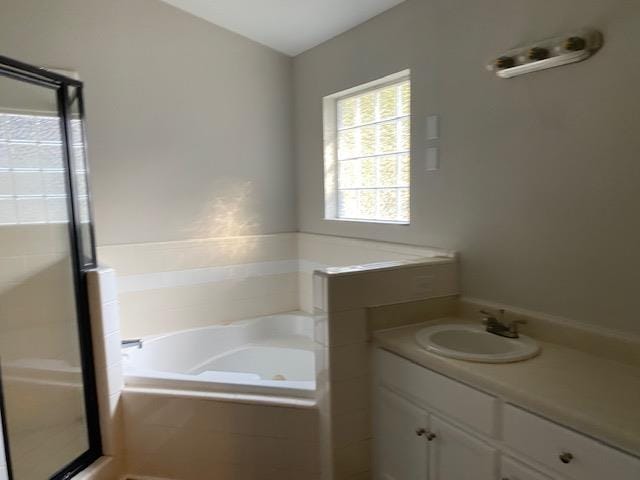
475, 344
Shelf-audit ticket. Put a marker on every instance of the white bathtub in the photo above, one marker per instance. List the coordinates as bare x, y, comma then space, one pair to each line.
272, 355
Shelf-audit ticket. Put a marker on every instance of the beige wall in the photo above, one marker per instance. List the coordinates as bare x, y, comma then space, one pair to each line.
539, 174
171, 101
538, 187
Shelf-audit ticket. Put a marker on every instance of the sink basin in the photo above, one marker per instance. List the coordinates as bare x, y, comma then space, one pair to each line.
473, 343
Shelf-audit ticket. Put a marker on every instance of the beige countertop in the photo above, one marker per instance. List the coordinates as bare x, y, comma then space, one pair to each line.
588, 393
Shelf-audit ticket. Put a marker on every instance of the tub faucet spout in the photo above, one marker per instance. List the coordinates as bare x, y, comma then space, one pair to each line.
137, 342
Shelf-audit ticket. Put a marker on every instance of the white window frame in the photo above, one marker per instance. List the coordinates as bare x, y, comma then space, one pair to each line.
330, 136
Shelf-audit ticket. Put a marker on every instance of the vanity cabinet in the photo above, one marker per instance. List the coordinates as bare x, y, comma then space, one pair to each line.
431, 427
413, 444
455, 454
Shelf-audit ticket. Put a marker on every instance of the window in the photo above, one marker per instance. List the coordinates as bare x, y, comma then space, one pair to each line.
367, 152
32, 174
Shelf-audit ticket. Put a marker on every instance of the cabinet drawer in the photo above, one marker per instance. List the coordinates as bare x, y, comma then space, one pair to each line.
513, 470
547, 442
454, 399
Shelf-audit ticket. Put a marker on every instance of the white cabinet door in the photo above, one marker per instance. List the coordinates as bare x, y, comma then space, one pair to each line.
457, 455
400, 446
513, 470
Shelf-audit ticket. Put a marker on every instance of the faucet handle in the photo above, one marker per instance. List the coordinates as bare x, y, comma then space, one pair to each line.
513, 325
489, 317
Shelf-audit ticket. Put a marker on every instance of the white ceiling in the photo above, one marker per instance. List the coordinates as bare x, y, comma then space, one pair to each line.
289, 26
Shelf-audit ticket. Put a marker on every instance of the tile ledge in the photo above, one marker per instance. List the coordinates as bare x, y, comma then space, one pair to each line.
382, 266
99, 469
292, 402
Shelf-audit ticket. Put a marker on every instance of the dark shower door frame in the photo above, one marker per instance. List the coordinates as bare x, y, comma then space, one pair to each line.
81, 263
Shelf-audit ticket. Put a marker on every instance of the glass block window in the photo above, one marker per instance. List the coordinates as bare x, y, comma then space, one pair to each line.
32, 173
373, 154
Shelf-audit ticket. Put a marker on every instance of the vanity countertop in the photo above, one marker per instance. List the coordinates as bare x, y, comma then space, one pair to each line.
591, 394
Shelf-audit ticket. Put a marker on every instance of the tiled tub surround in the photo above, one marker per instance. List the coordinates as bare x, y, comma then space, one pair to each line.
317, 252
224, 435
237, 435
171, 286
105, 330
350, 303
155, 433
167, 287
197, 438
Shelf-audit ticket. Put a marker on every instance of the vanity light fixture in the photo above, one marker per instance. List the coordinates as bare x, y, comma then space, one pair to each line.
552, 52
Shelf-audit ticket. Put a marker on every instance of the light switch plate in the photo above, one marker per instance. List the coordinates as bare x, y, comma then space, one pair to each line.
433, 159
433, 127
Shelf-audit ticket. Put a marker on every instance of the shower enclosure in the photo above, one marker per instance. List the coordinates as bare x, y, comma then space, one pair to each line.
48, 402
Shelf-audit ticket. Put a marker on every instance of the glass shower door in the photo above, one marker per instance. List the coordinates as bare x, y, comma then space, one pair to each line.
48, 391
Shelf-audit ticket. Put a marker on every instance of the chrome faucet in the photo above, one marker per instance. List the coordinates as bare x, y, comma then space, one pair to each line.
132, 343
499, 326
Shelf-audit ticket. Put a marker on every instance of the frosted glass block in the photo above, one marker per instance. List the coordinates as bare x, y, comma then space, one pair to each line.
348, 204
368, 140
367, 200
6, 183
77, 157
4, 133
367, 108
387, 171
76, 132
57, 210
387, 98
54, 183
48, 129
348, 174
403, 204
83, 208
81, 183
21, 127
28, 183
51, 156
388, 138
368, 172
404, 173
7, 211
31, 210
347, 147
405, 98
5, 161
24, 155
388, 199
347, 113
405, 135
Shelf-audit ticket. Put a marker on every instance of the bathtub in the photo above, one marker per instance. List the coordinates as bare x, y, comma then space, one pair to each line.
272, 355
